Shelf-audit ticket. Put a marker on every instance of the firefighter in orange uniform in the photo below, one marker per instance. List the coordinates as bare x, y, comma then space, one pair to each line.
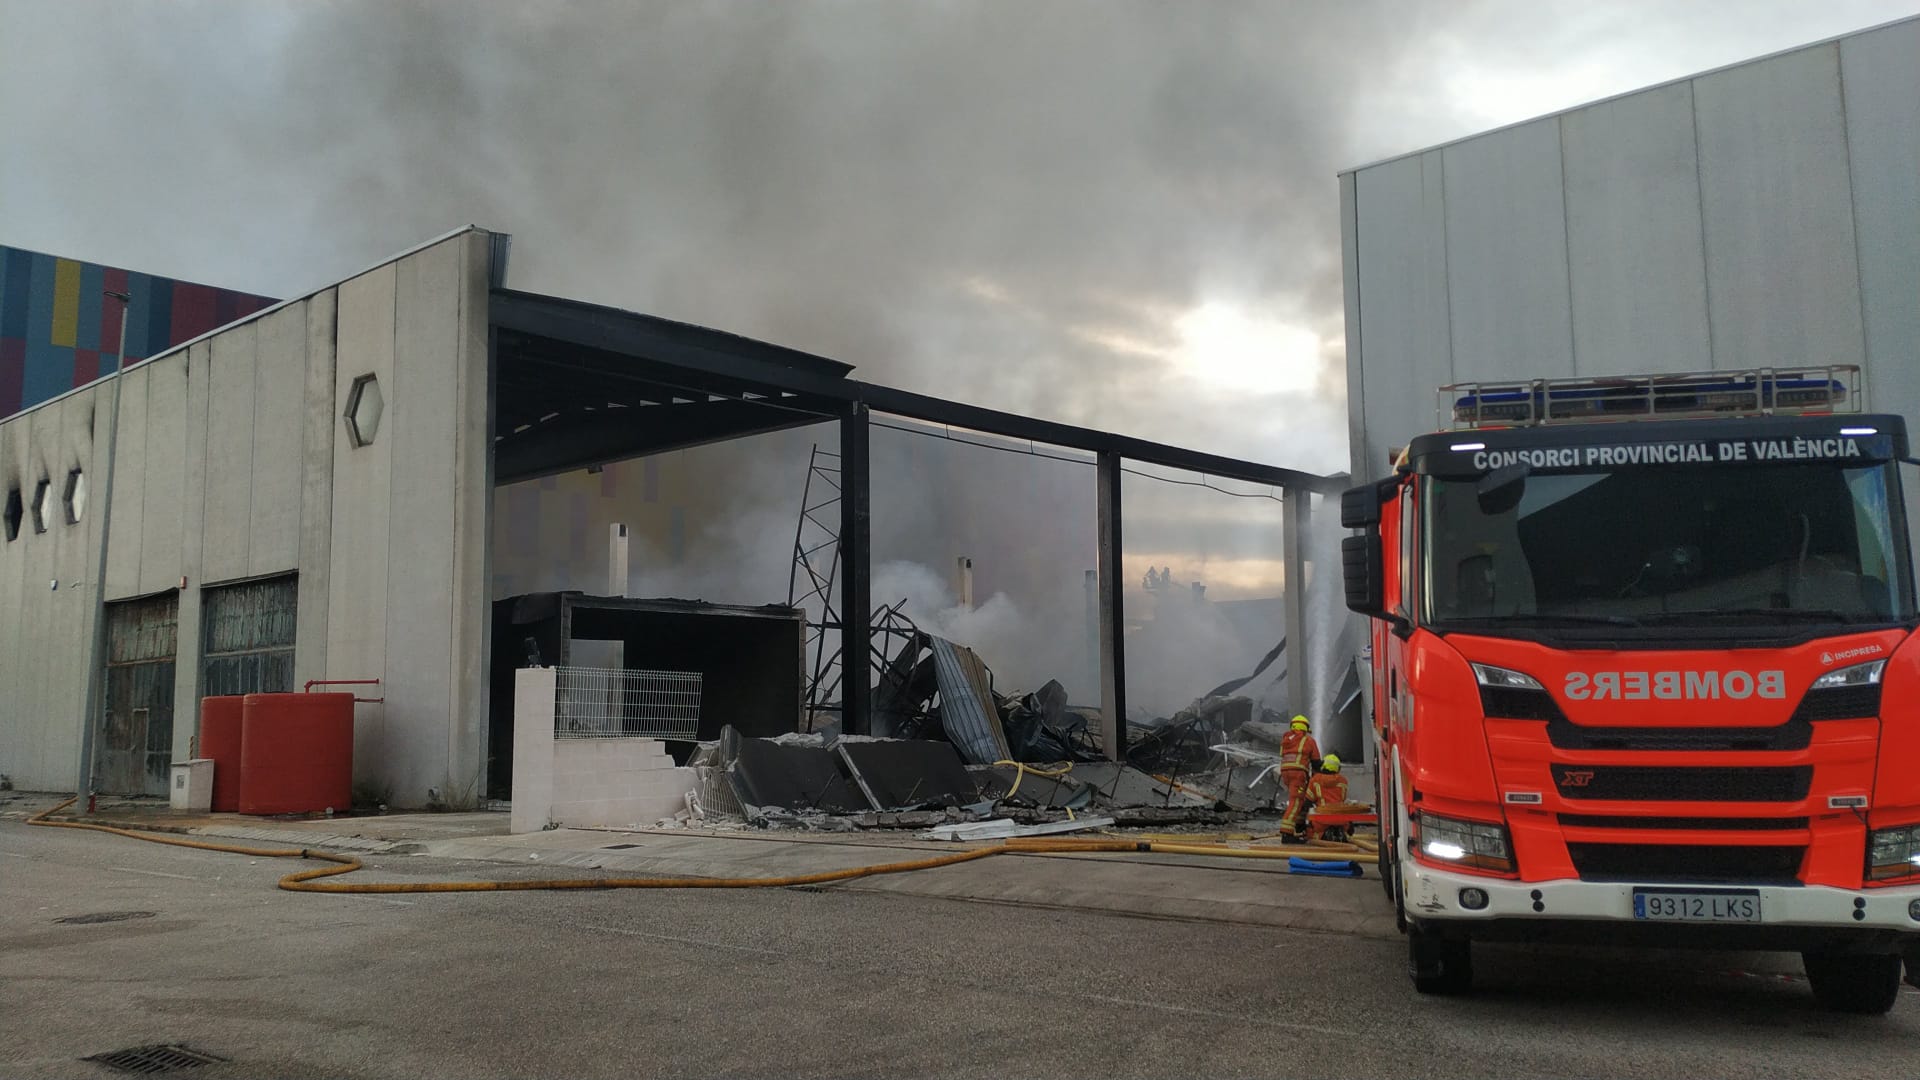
1325, 788
1299, 756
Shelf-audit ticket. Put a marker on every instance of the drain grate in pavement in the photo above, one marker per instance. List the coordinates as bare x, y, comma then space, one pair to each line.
617, 847
159, 1058
105, 916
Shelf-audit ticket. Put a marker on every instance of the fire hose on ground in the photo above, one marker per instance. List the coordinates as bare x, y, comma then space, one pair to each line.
308, 880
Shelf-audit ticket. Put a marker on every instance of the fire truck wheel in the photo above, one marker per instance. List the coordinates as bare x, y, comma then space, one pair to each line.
1437, 964
1853, 983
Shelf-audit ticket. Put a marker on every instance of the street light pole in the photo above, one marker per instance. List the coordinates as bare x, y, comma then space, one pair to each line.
97, 656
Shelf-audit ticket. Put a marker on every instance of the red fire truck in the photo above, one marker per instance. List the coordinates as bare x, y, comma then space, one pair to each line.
1649, 682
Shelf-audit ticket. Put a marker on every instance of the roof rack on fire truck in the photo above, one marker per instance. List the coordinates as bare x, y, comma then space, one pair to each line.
1812, 389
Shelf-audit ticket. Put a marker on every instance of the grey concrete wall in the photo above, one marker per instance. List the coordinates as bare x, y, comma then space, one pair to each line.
46, 598
1757, 215
233, 463
407, 589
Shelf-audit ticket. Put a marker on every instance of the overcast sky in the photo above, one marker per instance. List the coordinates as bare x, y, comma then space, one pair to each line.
1113, 213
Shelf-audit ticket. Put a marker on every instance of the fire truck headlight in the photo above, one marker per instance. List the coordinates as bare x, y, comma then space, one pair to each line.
1893, 853
1464, 843
1857, 675
1507, 678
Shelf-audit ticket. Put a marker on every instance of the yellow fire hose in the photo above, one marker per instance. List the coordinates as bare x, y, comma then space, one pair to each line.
307, 880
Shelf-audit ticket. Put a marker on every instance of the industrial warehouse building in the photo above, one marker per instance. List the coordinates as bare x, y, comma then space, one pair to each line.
368, 483
1765, 214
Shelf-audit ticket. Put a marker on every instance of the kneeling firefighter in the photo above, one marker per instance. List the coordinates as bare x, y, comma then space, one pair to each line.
1326, 787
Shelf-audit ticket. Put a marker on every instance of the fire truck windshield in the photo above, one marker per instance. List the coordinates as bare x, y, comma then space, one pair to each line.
1671, 546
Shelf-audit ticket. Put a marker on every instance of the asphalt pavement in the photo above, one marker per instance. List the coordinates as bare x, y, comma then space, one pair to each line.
818, 982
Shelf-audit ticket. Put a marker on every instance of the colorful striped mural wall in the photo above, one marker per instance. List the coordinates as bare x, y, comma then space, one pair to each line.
58, 330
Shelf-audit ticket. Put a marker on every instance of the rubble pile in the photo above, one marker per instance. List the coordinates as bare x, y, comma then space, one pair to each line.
952, 753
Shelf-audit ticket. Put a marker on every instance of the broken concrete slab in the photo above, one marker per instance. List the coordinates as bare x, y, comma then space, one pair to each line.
1002, 828
768, 774
1118, 785
1005, 784
905, 774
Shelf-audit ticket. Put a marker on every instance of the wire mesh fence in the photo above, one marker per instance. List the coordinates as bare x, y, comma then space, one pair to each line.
613, 703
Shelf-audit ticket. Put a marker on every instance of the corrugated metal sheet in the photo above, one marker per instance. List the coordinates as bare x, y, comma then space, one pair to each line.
1783, 282
248, 637
136, 734
1633, 202
1507, 254
1760, 214
967, 709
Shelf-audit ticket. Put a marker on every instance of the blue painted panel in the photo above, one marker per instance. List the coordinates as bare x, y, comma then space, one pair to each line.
93, 280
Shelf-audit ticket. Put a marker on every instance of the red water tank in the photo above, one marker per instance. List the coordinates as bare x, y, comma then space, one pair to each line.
296, 753
220, 740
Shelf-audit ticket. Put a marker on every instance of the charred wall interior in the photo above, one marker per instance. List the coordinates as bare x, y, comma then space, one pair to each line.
749, 659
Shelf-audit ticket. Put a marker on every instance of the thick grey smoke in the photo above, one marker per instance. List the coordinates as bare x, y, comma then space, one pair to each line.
1119, 213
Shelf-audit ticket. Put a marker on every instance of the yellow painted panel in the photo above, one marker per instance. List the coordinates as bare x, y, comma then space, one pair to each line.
66, 301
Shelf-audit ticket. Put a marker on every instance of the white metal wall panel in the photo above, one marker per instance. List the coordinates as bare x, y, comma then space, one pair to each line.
1639, 271
1507, 254
1402, 250
421, 418
229, 494
319, 423
17, 732
473, 517
1782, 274
1360, 467
164, 459
193, 504
279, 391
129, 483
362, 497
1881, 73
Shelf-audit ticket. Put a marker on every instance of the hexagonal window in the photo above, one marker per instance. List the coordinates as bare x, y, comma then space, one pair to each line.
75, 497
364, 406
42, 504
16, 509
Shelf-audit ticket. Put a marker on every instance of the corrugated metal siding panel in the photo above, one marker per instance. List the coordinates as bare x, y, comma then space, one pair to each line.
1507, 254
1882, 81
249, 632
136, 733
140, 630
1639, 271
1401, 243
1782, 272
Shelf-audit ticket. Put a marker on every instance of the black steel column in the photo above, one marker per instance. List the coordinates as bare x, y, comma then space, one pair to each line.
1113, 660
856, 594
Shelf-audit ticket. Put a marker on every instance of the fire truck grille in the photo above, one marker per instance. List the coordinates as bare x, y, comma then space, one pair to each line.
1685, 862
1796, 734
1730, 824
1840, 703
1642, 783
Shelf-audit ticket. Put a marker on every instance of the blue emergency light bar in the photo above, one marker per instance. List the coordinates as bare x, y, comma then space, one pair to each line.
1753, 392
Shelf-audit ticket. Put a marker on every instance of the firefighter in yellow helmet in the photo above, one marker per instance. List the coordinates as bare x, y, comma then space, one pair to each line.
1299, 757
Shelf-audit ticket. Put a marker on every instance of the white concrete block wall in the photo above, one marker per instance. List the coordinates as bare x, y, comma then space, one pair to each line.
533, 698
585, 783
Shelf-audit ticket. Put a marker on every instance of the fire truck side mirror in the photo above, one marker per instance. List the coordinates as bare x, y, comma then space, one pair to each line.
1360, 506
1360, 564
